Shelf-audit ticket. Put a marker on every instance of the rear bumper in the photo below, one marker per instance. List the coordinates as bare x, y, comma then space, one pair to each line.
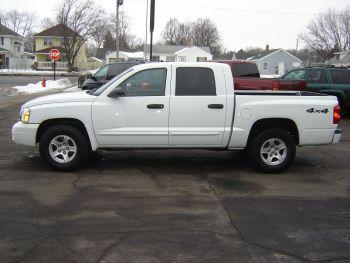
24, 134
336, 136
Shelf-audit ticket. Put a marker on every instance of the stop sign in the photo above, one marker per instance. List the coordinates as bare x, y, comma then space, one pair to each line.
54, 54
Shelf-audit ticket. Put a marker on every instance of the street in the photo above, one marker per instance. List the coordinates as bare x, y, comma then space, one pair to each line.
173, 206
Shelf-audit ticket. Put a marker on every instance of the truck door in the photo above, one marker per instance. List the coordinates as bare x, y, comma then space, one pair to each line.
317, 80
197, 107
140, 117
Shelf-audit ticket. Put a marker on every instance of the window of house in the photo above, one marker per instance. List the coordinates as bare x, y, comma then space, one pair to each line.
195, 82
265, 66
19, 49
182, 59
2, 41
149, 82
201, 59
170, 58
47, 41
62, 42
155, 58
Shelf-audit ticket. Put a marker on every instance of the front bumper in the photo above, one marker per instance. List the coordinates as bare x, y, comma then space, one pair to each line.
24, 134
336, 136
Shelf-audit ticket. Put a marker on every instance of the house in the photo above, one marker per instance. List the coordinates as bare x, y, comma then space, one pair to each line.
178, 53
12, 55
125, 56
341, 59
54, 38
276, 61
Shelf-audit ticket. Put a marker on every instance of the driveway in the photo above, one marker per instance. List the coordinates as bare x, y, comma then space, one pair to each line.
173, 206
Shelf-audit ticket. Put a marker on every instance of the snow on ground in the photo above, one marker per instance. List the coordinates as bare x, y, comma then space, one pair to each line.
30, 72
50, 85
270, 76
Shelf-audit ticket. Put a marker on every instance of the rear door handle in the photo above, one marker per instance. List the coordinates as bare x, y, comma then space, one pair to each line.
215, 106
155, 106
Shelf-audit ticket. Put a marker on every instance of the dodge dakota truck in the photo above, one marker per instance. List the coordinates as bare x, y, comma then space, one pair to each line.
177, 105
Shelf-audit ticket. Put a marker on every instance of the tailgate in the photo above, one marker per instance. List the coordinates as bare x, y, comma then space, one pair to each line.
245, 83
296, 85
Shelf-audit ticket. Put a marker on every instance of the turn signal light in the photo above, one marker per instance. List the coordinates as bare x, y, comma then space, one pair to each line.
276, 85
336, 114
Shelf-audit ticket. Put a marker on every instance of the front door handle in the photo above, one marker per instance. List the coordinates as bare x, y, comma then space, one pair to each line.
215, 106
155, 106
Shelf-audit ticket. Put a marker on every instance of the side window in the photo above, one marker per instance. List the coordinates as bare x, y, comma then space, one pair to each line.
149, 82
101, 73
265, 66
296, 74
340, 76
195, 82
116, 69
317, 76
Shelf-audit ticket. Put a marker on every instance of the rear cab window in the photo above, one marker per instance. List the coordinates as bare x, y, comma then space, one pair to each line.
245, 70
195, 81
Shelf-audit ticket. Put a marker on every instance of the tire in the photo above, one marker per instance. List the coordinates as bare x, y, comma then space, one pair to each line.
262, 146
56, 140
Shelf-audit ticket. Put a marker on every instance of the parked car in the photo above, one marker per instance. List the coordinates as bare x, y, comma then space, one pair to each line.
177, 105
327, 80
104, 74
247, 77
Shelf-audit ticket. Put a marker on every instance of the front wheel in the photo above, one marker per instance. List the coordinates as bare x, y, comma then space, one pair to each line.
273, 150
63, 148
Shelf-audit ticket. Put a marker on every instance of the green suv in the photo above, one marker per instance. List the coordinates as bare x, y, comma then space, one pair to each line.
327, 80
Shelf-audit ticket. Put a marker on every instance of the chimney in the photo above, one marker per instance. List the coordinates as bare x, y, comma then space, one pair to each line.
267, 47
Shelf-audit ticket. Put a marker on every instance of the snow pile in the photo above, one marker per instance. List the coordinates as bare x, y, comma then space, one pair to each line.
50, 85
270, 76
31, 72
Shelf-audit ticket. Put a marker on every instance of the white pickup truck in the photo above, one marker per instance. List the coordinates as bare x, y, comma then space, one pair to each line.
177, 105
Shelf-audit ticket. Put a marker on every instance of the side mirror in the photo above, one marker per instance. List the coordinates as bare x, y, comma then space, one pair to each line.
117, 92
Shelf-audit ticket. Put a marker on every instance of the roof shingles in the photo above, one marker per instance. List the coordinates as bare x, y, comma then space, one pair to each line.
5, 31
59, 30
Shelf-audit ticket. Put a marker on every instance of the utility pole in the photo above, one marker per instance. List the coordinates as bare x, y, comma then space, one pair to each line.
151, 26
144, 49
119, 3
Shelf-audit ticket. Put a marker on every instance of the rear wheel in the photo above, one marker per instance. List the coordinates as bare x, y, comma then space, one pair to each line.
272, 151
63, 148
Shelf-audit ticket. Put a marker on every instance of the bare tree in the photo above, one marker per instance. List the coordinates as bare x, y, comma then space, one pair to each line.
20, 22
127, 40
170, 32
46, 23
79, 18
202, 33
100, 29
329, 32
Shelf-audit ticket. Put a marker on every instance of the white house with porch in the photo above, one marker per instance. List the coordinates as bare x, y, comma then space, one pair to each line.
12, 55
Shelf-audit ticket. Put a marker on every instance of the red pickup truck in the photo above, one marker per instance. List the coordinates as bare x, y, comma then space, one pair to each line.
247, 77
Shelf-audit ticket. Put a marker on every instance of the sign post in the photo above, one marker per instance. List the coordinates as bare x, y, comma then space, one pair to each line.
151, 27
54, 55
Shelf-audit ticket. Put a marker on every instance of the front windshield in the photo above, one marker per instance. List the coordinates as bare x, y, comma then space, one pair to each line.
98, 91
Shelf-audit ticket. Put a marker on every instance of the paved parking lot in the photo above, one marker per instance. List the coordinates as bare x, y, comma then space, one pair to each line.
173, 206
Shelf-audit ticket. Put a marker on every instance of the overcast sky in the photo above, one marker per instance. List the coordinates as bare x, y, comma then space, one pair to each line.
240, 23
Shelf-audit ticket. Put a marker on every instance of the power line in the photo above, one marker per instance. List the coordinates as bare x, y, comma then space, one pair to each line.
236, 10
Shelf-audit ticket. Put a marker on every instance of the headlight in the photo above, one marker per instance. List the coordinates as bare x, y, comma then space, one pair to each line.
25, 115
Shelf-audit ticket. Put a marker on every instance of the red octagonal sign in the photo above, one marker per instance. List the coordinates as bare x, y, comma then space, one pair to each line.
55, 54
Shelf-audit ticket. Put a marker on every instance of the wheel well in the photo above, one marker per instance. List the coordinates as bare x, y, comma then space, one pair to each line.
277, 123
67, 121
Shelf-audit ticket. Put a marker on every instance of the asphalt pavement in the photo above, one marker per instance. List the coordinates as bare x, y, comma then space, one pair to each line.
173, 206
